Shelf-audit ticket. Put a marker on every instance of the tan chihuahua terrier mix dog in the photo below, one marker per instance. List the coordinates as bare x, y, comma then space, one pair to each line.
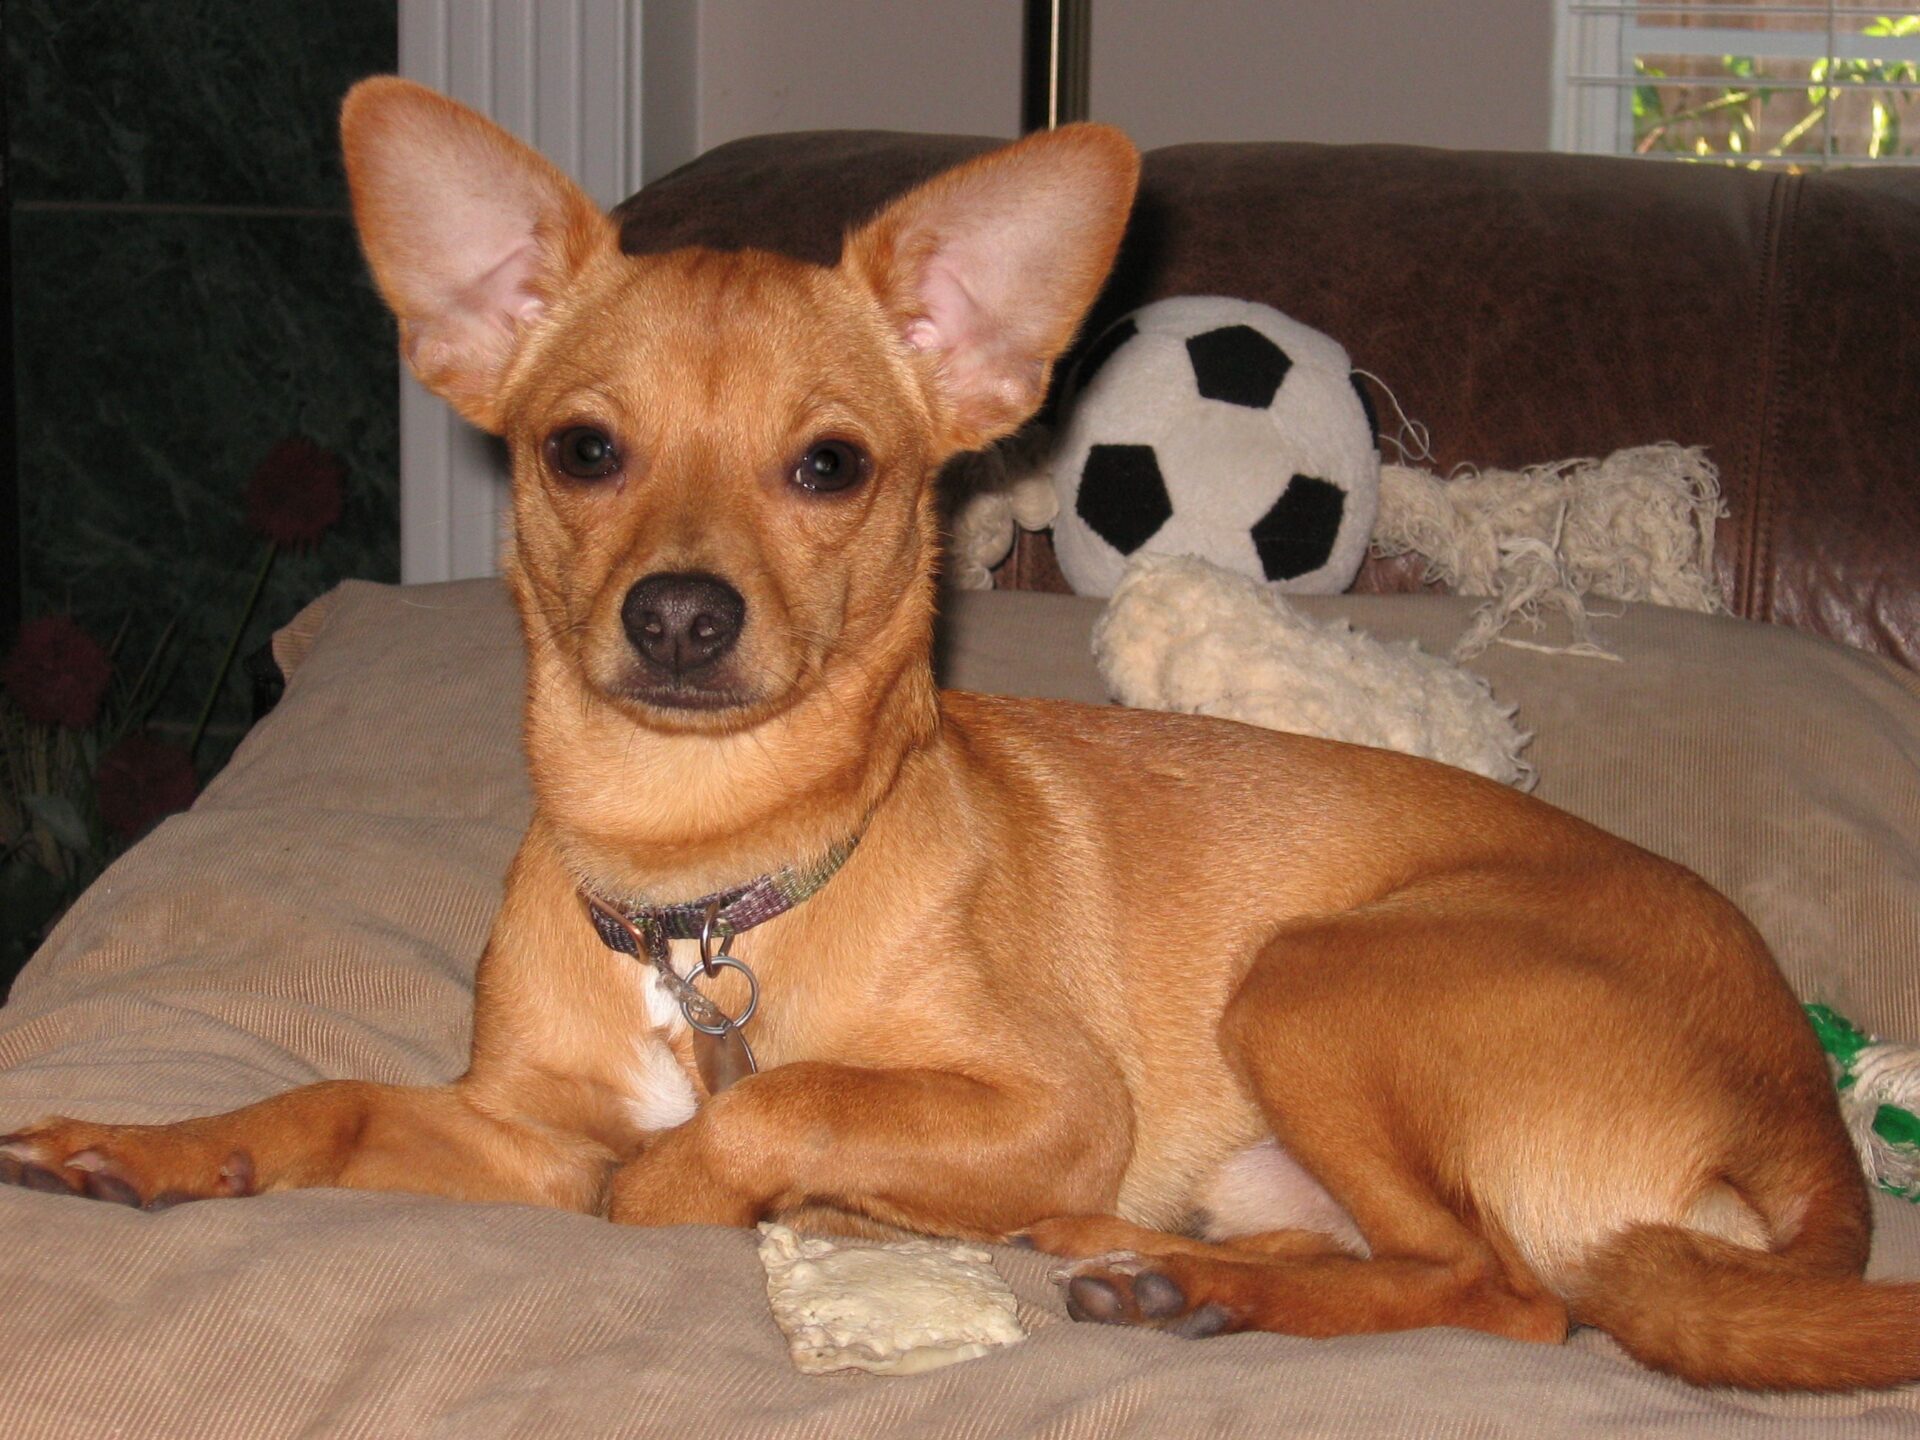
1242, 1004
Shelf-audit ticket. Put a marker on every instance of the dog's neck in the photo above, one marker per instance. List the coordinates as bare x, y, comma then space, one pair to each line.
642, 811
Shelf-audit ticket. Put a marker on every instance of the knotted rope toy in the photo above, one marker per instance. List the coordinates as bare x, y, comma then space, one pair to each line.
1636, 525
1879, 1085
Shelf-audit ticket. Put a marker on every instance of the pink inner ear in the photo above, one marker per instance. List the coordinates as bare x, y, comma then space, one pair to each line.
474, 325
968, 317
506, 289
951, 317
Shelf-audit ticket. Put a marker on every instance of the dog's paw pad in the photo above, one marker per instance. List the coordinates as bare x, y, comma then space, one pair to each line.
13, 1163
39, 1177
236, 1175
1201, 1322
1158, 1296
32, 1163
1092, 1299
111, 1188
1131, 1293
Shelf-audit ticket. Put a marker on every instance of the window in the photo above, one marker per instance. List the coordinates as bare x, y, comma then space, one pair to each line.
1783, 84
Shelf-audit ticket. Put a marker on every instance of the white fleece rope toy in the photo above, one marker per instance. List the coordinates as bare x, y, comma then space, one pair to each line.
1637, 525
1183, 634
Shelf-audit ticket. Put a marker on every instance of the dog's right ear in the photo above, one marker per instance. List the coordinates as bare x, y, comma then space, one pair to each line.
469, 233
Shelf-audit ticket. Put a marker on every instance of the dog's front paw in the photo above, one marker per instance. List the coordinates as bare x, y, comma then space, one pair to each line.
147, 1166
670, 1183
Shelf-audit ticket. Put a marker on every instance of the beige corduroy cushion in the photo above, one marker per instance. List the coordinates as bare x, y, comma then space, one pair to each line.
318, 914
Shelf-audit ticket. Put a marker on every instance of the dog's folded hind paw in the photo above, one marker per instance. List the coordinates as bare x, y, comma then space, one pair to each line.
1127, 1289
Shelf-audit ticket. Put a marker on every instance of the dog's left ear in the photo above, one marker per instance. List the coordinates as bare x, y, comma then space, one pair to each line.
990, 267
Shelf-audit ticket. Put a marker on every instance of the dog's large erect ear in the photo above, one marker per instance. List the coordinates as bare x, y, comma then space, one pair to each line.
991, 266
469, 233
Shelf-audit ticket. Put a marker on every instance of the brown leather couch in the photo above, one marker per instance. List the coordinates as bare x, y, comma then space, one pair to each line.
1526, 307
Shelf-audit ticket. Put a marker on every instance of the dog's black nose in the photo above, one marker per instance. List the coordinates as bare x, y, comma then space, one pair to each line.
680, 623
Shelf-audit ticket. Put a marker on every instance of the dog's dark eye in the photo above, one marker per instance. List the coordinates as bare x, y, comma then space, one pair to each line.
830, 465
584, 452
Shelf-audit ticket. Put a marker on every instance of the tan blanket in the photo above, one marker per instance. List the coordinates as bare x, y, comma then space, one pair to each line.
318, 914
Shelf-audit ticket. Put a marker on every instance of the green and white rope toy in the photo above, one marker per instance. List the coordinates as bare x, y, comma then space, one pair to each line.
1879, 1085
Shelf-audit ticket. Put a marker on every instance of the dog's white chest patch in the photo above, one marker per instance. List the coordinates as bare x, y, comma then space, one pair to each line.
659, 1094
663, 1011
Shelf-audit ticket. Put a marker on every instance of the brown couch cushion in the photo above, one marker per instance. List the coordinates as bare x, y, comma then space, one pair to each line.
795, 193
1533, 307
1526, 307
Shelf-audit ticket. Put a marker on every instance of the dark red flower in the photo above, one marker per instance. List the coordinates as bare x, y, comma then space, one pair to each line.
57, 673
140, 782
294, 495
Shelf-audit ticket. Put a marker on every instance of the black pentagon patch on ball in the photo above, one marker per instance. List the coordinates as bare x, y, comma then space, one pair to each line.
1122, 497
1296, 536
1101, 351
1238, 364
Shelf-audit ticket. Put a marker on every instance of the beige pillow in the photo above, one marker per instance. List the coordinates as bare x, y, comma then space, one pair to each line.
319, 911
1783, 768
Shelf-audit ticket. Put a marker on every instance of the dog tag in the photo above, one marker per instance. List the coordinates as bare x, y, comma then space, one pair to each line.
720, 1051
722, 1058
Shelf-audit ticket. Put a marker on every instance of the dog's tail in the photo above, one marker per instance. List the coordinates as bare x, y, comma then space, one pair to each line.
1795, 1318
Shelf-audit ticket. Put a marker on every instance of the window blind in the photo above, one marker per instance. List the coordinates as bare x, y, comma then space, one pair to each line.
1803, 85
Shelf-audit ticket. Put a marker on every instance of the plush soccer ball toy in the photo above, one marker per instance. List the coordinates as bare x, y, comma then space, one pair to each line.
1220, 428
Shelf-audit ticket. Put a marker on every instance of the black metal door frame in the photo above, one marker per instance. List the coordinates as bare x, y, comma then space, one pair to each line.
1054, 63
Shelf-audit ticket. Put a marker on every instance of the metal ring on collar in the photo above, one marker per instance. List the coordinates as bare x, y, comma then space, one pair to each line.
707, 958
753, 997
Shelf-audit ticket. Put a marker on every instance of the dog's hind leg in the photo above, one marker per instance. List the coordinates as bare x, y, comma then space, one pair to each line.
1089, 1237
1319, 1029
